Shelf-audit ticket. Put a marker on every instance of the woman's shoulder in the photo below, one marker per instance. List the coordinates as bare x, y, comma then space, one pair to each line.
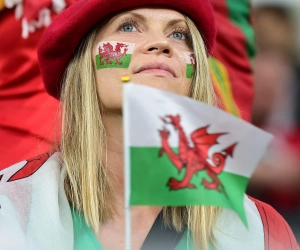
33, 205
277, 232
266, 228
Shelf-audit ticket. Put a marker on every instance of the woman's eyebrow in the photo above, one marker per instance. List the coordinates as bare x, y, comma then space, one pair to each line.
141, 17
175, 21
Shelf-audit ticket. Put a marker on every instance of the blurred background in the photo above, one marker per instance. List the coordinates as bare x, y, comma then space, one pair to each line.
276, 107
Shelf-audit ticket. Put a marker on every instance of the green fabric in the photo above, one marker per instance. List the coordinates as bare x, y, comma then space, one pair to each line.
239, 12
225, 86
84, 237
149, 184
184, 244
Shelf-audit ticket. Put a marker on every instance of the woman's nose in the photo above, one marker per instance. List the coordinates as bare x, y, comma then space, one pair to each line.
158, 49
158, 44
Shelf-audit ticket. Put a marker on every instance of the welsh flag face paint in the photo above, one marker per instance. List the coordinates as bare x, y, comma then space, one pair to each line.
190, 64
113, 54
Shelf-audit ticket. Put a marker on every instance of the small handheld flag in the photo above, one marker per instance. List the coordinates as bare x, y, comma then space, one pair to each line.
179, 151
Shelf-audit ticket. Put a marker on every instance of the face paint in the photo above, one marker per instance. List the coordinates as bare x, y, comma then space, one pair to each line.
190, 64
112, 54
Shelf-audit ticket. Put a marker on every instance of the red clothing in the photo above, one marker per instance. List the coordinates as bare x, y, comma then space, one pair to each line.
278, 234
28, 114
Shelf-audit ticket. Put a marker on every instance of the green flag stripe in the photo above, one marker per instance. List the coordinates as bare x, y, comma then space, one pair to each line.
239, 13
149, 184
189, 70
124, 62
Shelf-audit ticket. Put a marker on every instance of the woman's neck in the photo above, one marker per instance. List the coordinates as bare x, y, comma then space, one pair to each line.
113, 156
112, 232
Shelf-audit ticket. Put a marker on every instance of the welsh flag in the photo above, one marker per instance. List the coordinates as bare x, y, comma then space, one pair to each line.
179, 151
190, 64
113, 54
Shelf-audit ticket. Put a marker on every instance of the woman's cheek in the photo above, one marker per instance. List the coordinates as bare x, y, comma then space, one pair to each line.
113, 54
190, 62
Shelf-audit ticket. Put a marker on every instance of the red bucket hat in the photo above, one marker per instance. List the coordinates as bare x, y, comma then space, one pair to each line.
63, 36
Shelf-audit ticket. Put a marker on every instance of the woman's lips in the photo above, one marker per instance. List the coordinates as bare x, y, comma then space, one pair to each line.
156, 72
159, 69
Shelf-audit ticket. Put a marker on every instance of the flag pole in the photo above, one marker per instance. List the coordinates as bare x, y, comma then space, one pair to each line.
127, 213
126, 79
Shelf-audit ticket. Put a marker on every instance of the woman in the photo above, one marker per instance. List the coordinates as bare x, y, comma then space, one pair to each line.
91, 144
161, 36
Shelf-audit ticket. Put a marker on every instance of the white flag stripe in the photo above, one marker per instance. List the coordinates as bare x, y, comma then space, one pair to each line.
145, 106
129, 48
187, 56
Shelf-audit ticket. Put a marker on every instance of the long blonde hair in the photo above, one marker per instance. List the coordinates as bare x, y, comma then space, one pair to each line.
87, 183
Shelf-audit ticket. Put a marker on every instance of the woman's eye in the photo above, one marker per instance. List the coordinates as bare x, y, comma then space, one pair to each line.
128, 28
178, 35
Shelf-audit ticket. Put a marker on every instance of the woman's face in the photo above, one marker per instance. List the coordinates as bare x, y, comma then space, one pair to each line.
158, 40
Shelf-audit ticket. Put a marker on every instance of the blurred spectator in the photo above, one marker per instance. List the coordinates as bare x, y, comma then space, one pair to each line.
276, 109
27, 112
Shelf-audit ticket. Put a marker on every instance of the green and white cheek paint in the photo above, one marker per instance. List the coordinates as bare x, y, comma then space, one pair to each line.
113, 54
190, 64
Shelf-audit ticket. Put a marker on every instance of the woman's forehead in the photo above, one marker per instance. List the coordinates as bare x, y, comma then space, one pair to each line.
154, 12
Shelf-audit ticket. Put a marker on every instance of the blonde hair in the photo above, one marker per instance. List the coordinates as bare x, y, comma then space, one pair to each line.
87, 183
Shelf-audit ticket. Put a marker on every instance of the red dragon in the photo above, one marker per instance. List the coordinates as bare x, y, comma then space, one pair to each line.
194, 159
108, 53
193, 63
29, 168
193, 60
